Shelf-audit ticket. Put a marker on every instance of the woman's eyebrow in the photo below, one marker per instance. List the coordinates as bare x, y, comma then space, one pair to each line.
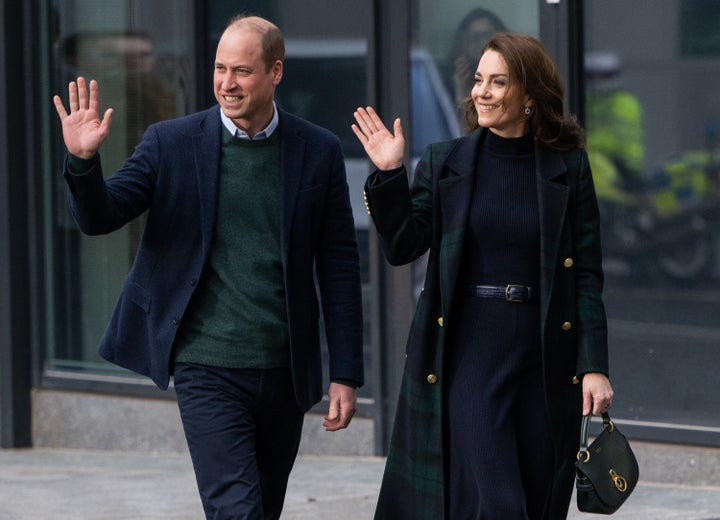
496, 75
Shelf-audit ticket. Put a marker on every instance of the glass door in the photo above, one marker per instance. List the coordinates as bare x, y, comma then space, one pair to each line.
653, 129
142, 55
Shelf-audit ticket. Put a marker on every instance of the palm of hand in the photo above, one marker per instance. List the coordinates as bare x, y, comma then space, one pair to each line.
384, 148
83, 132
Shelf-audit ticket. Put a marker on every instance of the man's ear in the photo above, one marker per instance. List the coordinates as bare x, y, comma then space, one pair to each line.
277, 71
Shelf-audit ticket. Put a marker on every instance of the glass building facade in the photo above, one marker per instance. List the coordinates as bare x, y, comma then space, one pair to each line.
640, 75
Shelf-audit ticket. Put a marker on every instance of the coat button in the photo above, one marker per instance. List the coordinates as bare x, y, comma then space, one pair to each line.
440, 321
432, 379
576, 380
568, 262
566, 325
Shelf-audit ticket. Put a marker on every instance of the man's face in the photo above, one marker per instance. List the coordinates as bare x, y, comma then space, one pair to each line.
243, 87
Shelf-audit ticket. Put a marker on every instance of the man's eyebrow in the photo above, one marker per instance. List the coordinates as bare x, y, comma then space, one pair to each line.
233, 67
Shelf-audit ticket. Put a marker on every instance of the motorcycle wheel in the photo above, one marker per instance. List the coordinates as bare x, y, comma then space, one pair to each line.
691, 259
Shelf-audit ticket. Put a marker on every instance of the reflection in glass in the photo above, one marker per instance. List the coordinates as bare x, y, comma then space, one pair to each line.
143, 63
652, 111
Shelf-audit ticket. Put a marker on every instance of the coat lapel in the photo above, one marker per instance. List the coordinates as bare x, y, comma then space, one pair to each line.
206, 147
455, 191
292, 157
553, 194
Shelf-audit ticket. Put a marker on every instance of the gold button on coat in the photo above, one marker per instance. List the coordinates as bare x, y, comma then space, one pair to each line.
432, 379
568, 262
566, 325
576, 380
440, 321
367, 204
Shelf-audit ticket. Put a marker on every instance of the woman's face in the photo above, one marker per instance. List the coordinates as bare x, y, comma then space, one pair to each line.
499, 104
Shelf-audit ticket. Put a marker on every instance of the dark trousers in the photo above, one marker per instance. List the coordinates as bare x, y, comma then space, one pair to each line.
243, 430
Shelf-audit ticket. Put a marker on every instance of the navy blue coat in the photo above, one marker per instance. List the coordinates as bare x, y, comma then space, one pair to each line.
173, 174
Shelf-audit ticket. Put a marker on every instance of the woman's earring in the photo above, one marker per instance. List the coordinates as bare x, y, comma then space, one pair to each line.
528, 110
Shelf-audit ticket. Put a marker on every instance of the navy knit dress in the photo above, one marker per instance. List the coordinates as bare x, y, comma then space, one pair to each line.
499, 461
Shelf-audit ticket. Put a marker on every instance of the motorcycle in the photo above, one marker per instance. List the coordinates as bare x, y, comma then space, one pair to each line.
661, 229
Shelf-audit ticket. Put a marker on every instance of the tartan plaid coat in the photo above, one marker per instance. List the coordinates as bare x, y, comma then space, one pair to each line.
432, 214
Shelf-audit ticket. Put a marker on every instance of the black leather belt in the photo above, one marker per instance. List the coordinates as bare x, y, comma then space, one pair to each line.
511, 293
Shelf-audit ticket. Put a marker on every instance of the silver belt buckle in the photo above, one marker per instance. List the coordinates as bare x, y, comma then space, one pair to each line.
509, 288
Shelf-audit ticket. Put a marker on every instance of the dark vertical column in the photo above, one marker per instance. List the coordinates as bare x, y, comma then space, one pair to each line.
391, 287
15, 350
561, 31
576, 59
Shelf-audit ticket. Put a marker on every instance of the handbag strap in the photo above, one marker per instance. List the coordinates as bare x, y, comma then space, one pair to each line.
585, 430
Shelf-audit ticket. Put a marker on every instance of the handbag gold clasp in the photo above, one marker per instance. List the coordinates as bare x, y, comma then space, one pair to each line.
583, 456
620, 483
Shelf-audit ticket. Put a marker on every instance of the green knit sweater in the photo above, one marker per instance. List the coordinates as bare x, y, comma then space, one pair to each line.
237, 316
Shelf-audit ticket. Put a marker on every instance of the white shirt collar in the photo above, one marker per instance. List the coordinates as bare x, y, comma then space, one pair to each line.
267, 132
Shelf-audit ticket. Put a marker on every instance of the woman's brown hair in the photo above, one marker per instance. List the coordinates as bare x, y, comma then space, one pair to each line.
532, 70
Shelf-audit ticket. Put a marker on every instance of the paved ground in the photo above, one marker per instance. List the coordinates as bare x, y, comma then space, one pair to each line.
47, 484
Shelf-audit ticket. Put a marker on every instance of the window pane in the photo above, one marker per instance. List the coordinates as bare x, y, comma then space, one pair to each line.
652, 126
141, 55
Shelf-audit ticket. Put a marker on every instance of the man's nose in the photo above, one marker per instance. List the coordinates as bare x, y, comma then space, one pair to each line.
228, 81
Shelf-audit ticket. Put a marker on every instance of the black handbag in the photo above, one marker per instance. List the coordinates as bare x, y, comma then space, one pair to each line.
606, 471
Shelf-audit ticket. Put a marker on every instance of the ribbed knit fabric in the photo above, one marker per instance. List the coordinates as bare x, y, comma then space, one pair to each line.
237, 317
499, 450
503, 239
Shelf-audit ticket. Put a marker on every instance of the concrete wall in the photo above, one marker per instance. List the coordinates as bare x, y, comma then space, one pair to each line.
94, 422
100, 422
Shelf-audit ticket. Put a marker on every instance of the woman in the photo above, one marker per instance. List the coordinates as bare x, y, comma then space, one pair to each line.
508, 346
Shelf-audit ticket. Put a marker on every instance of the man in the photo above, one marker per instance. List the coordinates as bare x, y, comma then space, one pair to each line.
248, 209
